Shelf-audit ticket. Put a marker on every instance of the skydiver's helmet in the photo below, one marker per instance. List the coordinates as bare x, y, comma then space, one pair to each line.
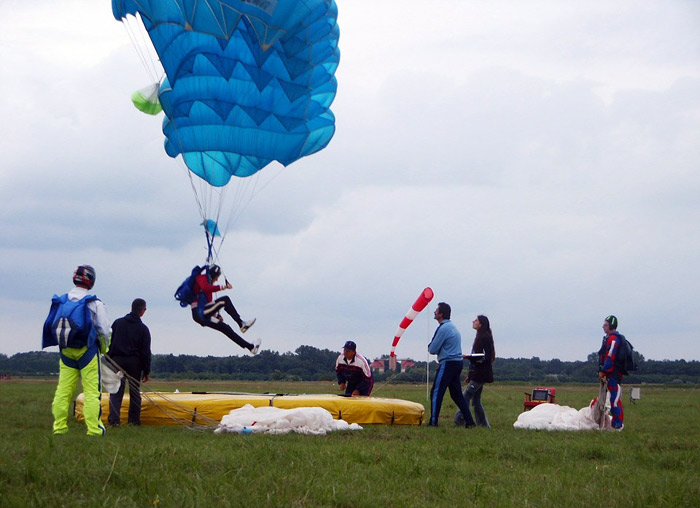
612, 322
84, 276
214, 272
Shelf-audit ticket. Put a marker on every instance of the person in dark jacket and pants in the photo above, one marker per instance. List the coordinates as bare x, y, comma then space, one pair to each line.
480, 370
130, 352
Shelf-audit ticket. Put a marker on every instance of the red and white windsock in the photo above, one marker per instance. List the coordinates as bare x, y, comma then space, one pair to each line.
416, 308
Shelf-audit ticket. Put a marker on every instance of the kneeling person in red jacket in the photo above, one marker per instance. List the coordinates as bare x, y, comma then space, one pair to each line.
352, 369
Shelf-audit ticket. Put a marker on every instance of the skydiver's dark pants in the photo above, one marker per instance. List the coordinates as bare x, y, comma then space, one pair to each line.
448, 377
210, 321
225, 303
131, 367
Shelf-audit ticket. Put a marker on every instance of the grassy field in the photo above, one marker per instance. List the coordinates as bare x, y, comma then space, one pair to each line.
654, 462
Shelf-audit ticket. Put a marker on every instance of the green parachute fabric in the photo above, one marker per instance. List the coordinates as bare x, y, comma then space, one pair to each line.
146, 100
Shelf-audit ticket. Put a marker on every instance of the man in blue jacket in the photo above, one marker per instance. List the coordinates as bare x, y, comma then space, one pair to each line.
447, 345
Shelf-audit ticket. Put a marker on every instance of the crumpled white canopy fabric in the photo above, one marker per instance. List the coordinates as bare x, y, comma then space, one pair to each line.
555, 417
111, 380
275, 420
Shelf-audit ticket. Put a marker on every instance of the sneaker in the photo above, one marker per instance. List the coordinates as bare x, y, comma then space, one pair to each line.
256, 346
246, 325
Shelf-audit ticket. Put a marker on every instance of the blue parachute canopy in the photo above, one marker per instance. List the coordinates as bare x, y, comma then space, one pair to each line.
248, 82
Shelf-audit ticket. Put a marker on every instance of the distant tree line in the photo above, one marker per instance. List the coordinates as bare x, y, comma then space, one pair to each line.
308, 363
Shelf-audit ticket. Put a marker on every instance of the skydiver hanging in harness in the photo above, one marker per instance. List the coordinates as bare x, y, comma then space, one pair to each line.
208, 313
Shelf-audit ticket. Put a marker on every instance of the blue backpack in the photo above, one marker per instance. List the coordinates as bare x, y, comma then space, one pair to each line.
69, 323
185, 292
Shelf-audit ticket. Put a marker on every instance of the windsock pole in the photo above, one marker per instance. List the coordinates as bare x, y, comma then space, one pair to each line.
427, 361
420, 304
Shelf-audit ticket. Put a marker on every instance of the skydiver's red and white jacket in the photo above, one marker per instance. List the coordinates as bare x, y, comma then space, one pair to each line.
202, 285
354, 371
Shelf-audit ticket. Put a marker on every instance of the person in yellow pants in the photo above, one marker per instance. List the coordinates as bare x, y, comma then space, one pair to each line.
67, 383
78, 324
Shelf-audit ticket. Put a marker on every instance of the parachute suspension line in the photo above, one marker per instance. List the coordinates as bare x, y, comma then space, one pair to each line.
205, 423
255, 191
220, 204
246, 190
136, 31
226, 205
198, 201
427, 360
386, 382
210, 244
203, 195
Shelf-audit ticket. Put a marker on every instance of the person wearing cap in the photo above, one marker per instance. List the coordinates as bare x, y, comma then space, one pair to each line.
354, 375
608, 371
447, 345
80, 336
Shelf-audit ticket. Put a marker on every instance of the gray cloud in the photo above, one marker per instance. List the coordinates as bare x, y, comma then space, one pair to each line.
538, 165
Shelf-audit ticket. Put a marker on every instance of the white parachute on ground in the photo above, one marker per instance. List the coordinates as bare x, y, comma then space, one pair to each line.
556, 417
274, 420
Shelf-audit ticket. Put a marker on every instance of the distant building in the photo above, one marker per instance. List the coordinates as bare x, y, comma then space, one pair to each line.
407, 364
378, 366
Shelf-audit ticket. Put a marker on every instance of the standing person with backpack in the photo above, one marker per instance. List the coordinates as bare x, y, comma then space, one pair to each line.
78, 324
609, 368
207, 312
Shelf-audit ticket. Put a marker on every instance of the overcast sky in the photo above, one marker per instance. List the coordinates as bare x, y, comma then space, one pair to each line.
537, 162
